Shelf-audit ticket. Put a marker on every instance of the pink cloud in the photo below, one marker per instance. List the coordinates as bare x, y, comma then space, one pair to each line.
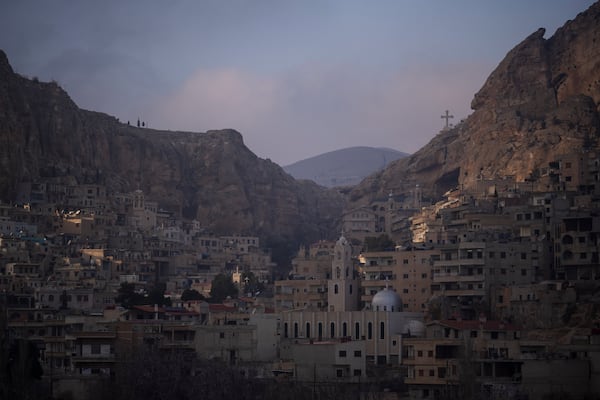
319, 108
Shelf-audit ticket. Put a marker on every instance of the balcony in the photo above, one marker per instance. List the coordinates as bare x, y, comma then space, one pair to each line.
442, 277
459, 262
461, 292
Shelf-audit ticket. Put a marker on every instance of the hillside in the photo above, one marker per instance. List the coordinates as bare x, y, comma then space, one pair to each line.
540, 103
210, 176
345, 167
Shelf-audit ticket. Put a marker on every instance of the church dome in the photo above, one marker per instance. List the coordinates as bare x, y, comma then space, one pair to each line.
414, 328
386, 300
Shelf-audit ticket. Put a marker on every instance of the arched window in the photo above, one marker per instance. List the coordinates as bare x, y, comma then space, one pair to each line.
295, 329
350, 288
356, 331
370, 330
285, 330
308, 329
335, 289
332, 330
320, 328
344, 329
382, 330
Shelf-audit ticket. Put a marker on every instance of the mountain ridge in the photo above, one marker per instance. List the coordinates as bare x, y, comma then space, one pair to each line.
539, 103
210, 176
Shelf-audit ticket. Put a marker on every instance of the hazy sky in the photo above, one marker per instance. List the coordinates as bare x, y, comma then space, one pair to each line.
296, 78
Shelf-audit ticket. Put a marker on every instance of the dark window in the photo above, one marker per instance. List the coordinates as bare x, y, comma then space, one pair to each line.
342, 353
95, 349
357, 353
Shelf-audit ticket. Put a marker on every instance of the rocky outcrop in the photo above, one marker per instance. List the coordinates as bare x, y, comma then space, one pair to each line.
210, 176
541, 102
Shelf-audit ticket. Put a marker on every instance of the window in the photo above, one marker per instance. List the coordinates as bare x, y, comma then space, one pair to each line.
356, 331
494, 335
357, 372
342, 353
370, 330
344, 329
332, 330
335, 289
430, 353
431, 372
95, 349
222, 335
382, 330
420, 353
308, 329
339, 373
405, 276
357, 353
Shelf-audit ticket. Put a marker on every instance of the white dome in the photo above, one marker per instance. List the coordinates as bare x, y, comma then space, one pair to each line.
386, 300
414, 328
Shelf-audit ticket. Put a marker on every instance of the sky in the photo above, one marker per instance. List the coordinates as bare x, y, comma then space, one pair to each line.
295, 78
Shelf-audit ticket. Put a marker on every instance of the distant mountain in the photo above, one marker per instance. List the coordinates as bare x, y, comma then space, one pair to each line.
345, 167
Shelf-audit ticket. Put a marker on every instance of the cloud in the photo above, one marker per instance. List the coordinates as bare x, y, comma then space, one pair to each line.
318, 108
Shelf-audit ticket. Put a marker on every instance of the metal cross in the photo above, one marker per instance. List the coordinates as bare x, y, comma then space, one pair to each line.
447, 118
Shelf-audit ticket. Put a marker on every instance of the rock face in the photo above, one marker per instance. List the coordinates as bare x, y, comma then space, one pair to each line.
541, 102
210, 176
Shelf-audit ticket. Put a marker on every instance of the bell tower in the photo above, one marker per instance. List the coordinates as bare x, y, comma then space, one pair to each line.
343, 290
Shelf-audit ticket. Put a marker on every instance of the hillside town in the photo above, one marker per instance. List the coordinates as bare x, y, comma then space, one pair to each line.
491, 291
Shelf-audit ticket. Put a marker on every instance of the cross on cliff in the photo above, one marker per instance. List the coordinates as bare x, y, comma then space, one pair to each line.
447, 118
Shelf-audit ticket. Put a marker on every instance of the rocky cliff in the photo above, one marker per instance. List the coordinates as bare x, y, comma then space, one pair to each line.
541, 102
210, 176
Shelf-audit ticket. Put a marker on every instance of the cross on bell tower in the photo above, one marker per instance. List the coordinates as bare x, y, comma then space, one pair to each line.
447, 117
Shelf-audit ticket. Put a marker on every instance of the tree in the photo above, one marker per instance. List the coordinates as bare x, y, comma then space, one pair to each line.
380, 243
191, 294
251, 283
156, 295
222, 286
127, 296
